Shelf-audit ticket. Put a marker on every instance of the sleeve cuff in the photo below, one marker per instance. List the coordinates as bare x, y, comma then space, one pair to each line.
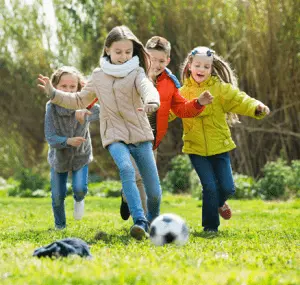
64, 144
197, 105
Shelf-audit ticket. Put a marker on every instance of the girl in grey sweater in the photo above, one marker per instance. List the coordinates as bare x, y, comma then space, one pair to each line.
70, 146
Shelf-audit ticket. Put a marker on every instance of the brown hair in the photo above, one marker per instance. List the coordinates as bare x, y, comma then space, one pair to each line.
159, 43
220, 68
57, 74
119, 33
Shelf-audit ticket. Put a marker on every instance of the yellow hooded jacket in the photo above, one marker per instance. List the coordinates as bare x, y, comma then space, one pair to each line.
208, 133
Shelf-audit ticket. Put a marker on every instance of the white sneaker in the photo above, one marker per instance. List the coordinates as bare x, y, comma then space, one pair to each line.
78, 210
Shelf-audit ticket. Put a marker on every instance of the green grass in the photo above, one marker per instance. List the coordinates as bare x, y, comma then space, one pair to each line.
259, 245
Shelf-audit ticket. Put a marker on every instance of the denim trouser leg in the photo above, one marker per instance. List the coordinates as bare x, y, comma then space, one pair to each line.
59, 191
58, 194
216, 178
80, 183
145, 160
121, 155
140, 184
223, 171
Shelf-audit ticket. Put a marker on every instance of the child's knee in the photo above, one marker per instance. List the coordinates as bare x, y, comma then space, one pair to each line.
79, 194
154, 196
229, 190
127, 171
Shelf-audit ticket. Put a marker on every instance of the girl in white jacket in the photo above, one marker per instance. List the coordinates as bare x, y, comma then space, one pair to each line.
125, 95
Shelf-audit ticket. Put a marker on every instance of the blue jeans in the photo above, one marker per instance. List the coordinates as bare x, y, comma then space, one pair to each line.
59, 191
217, 182
144, 158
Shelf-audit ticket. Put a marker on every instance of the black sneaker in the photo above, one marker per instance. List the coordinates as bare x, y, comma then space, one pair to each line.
210, 233
124, 210
139, 230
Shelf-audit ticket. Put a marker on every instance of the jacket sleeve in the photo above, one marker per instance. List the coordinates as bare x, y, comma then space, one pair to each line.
235, 101
146, 88
95, 113
183, 108
77, 100
52, 138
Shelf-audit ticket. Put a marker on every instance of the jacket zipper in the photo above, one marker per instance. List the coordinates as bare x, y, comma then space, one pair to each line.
204, 137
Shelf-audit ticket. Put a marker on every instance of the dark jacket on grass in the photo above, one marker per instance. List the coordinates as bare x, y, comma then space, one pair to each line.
63, 248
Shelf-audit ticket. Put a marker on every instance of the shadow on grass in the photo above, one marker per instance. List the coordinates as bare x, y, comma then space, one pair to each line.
206, 235
42, 237
111, 238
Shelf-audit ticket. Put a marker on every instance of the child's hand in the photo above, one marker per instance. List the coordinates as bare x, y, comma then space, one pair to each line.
262, 109
46, 86
149, 108
80, 115
205, 98
76, 141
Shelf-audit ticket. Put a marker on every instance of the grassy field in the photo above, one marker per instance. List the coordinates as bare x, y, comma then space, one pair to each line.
259, 245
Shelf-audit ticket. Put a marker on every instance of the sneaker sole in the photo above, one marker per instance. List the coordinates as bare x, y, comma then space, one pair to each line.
78, 218
138, 233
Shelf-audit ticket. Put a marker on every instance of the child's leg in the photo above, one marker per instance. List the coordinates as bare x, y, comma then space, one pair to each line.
121, 155
140, 185
143, 155
80, 188
80, 183
222, 168
58, 194
210, 198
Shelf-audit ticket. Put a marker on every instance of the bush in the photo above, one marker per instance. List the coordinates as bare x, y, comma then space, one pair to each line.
274, 184
177, 179
28, 182
108, 188
95, 177
279, 180
244, 187
294, 180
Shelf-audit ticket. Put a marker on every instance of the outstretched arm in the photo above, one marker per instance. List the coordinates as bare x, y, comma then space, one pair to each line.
238, 102
77, 100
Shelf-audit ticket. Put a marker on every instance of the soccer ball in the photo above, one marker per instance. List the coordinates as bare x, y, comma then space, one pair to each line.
169, 228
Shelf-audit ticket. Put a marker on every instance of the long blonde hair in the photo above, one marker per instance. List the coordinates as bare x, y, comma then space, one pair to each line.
220, 68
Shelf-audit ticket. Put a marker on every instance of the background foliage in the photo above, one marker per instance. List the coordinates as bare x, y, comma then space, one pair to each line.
261, 38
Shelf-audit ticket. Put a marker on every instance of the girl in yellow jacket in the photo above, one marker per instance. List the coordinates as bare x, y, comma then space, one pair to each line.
207, 139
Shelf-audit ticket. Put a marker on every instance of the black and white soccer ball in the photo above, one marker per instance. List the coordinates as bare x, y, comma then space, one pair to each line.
169, 228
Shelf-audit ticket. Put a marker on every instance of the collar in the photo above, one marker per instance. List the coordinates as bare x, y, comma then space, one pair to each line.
119, 70
168, 73
211, 80
63, 111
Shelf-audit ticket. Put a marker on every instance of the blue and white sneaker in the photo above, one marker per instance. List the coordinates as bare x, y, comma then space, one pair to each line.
140, 230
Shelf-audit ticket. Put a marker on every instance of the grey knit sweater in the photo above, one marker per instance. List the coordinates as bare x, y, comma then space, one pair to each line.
61, 124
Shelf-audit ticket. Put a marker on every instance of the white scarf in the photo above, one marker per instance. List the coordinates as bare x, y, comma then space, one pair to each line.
119, 70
